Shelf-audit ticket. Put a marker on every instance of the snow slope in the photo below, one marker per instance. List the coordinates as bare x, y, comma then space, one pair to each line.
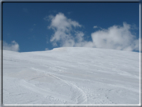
71, 76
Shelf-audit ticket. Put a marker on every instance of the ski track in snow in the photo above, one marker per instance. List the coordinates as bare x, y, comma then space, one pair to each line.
81, 97
71, 76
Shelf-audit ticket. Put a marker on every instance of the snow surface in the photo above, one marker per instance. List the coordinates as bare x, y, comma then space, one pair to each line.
71, 76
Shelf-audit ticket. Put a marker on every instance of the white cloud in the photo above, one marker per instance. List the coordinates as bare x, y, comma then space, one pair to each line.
14, 46
61, 23
79, 36
62, 27
115, 37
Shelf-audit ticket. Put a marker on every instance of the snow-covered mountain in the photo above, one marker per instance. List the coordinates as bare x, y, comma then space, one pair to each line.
71, 76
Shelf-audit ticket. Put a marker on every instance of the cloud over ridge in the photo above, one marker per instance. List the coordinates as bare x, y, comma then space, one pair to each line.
114, 37
62, 27
14, 46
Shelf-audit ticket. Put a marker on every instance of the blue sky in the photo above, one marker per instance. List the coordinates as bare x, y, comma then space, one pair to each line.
44, 26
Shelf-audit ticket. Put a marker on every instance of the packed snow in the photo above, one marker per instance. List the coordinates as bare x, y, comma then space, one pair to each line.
71, 75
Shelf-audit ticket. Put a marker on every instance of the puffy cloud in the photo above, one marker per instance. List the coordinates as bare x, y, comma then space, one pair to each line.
62, 23
14, 46
63, 28
79, 36
116, 37
80, 42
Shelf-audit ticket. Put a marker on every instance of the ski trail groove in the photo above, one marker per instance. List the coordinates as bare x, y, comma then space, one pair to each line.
34, 88
81, 98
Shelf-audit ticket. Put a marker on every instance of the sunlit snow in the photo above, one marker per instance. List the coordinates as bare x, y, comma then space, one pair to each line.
71, 76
